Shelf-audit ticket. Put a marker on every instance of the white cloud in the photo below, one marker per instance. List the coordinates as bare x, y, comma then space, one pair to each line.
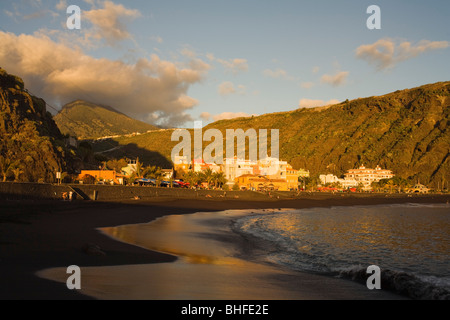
277, 74
224, 115
205, 116
226, 88
386, 53
188, 53
60, 74
307, 85
62, 5
336, 79
109, 22
234, 65
157, 39
231, 115
310, 103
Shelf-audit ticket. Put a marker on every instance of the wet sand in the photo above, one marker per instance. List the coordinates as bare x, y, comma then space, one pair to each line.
36, 236
210, 264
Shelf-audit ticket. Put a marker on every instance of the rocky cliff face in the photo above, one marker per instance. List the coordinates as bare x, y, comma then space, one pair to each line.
32, 148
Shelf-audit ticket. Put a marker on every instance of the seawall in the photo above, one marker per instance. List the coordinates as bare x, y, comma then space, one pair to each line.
40, 191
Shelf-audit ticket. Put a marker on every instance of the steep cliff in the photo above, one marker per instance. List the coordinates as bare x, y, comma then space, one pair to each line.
32, 148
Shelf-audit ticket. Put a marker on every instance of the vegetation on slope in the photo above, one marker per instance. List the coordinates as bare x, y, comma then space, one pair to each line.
405, 131
86, 120
31, 146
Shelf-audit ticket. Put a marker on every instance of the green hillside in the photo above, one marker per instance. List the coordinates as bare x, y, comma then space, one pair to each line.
90, 121
405, 131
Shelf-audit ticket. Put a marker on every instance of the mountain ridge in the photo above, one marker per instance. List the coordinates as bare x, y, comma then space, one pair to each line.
405, 131
86, 120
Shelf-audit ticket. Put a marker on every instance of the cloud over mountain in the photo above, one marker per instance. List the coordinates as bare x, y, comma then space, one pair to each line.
336, 79
150, 89
109, 21
224, 115
386, 53
311, 103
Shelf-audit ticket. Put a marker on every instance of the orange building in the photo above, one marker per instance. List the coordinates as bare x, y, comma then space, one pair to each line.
261, 183
292, 177
108, 176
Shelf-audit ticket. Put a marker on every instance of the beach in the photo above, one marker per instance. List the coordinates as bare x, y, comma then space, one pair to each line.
43, 235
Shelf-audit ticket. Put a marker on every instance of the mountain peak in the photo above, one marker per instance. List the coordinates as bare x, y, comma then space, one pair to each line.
87, 120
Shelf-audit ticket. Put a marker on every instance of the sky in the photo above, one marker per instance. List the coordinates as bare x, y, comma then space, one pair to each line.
174, 62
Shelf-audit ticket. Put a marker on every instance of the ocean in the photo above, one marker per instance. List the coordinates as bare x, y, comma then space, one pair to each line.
410, 243
282, 254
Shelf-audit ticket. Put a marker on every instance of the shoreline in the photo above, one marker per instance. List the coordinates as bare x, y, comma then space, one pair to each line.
37, 235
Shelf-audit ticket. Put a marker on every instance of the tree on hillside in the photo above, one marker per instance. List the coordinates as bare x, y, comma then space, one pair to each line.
85, 152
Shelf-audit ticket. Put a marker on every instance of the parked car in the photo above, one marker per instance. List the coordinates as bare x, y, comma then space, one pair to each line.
182, 184
165, 184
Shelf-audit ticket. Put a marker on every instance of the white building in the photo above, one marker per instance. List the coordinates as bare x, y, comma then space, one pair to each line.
234, 167
273, 167
331, 178
130, 168
366, 175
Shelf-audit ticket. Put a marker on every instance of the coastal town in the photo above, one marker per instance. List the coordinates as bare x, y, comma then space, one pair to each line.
236, 174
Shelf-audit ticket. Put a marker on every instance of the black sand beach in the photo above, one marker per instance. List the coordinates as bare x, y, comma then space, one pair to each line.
36, 235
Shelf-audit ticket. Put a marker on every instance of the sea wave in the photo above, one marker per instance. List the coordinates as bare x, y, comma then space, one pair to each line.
404, 283
285, 244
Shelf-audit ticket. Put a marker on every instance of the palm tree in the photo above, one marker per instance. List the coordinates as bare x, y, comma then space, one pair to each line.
360, 187
208, 176
151, 172
139, 168
375, 186
6, 167
17, 171
131, 178
192, 177
116, 165
219, 179
391, 184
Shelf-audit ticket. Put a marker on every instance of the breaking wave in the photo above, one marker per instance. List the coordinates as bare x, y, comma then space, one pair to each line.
409, 242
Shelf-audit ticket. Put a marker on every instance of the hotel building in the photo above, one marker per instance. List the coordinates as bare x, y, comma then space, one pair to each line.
366, 176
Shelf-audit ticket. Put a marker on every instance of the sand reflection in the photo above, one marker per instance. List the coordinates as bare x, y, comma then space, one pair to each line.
206, 268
